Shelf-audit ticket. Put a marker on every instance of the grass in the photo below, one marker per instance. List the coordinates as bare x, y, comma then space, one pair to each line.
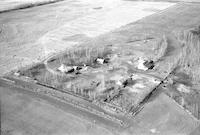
189, 61
190, 102
33, 71
161, 49
81, 56
76, 57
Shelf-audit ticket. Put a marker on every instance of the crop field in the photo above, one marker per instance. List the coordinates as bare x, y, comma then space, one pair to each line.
104, 67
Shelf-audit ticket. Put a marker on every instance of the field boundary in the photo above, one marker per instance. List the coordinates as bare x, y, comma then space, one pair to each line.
29, 5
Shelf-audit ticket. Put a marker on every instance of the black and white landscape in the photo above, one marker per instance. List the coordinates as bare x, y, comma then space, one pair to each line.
101, 67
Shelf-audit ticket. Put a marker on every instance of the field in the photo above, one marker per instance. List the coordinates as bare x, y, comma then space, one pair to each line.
101, 68
9, 5
28, 114
62, 29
